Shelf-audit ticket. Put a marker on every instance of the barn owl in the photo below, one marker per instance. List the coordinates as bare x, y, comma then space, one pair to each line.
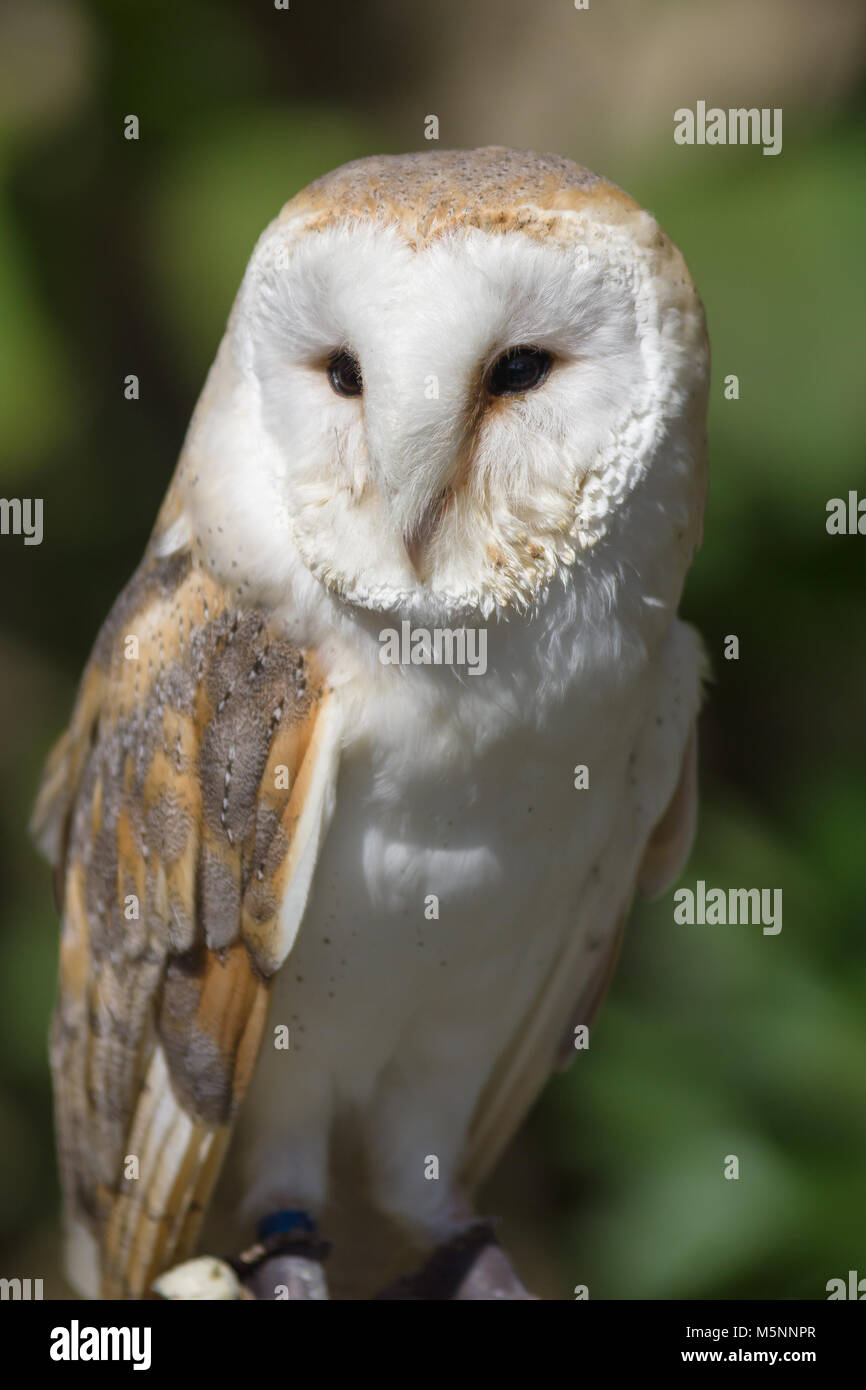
329, 921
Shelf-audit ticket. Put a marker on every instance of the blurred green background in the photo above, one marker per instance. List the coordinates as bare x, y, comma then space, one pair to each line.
122, 257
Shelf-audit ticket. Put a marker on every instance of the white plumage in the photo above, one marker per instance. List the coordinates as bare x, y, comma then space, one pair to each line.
563, 519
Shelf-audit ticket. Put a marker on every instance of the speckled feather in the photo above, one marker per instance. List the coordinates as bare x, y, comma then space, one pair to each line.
163, 792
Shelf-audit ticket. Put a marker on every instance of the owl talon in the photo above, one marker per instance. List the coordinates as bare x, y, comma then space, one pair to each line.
471, 1265
286, 1261
492, 1276
288, 1277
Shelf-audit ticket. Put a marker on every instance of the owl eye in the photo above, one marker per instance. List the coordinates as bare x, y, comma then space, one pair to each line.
517, 370
344, 374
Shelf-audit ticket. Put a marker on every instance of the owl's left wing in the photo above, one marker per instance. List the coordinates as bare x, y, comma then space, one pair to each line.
183, 811
575, 987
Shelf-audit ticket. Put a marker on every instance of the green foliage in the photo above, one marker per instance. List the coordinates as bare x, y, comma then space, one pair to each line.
213, 197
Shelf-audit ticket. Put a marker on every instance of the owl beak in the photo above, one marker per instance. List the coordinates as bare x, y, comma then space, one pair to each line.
415, 548
418, 539
417, 458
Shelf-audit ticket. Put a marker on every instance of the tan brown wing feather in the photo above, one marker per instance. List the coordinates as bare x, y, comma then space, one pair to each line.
173, 840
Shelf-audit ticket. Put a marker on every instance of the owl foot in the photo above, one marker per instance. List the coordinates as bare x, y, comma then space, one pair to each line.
471, 1265
286, 1261
287, 1277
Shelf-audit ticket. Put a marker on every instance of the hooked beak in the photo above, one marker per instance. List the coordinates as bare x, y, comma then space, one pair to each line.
420, 537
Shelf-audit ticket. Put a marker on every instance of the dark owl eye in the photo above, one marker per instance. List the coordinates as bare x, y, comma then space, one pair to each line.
517, 370
344, 374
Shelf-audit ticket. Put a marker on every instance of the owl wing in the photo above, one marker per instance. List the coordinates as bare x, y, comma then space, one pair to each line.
545, 1040
183, 810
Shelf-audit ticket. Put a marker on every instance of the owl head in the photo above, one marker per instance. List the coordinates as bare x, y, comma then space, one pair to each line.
449, 380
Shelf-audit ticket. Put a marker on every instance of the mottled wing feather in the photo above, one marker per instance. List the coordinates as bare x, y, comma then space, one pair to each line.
545, 1040
185, 800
